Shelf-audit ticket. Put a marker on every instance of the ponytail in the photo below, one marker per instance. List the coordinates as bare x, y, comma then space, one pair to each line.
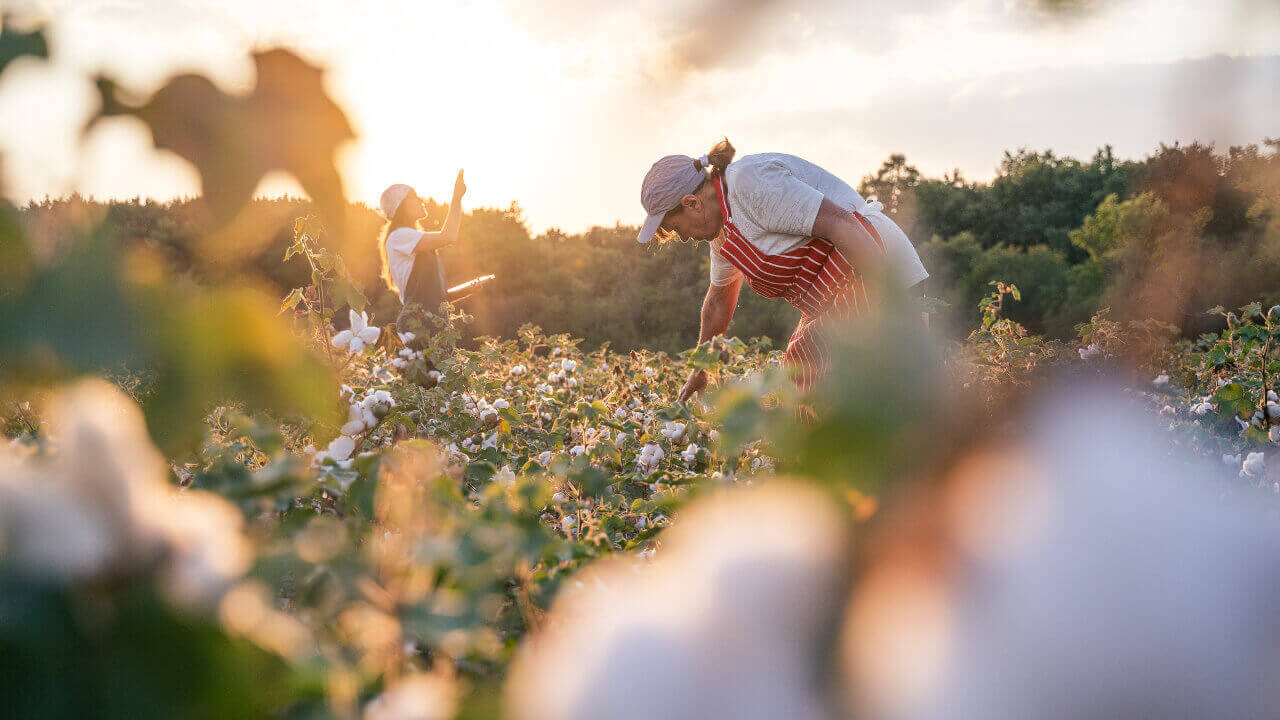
718, 159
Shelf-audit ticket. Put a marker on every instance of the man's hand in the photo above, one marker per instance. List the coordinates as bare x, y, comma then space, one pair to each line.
695, 384
459, 188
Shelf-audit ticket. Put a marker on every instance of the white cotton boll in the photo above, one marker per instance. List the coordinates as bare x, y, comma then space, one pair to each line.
544, 458
1272, 397
619, 413
1223, 382
690, 454
435, 375
673, 430
501, 404
356, 345
343, 339
346, 393
1243, 425
568, 365
399, 364
558, 498
104, 502
1253, 465
649, 372
355, 421
714, 435
1092, 350
1160, 380
621, 439
506, 475
1076, 549
341, 448
1273, 433
518, 370
489, 416
577, 450
1231, 459
768, 559
407, 337
1202, 408
572, 382
567, 523
415, 697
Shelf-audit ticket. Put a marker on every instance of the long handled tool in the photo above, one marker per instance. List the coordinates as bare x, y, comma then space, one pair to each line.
468, 288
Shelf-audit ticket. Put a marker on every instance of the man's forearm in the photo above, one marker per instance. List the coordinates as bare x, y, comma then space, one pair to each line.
717, 312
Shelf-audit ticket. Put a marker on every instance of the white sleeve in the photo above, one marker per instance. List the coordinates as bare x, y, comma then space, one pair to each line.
403, 240
776, 200
722, 271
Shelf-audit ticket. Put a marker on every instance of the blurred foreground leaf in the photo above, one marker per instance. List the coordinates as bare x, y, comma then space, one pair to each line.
288, 122
15, 44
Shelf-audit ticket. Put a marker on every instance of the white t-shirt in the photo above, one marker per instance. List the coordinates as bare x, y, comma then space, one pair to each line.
774, 199
400, 246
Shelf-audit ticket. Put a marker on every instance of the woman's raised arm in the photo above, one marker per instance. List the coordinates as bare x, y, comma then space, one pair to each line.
447, 234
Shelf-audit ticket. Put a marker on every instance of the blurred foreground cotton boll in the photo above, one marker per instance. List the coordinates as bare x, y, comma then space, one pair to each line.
730, 620
415, 697
101, 503
1085, 569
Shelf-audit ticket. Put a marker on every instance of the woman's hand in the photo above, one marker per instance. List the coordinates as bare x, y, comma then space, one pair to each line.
459, 188
696, 383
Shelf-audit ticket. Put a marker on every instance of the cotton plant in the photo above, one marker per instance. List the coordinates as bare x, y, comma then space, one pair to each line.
359, 336
673, 430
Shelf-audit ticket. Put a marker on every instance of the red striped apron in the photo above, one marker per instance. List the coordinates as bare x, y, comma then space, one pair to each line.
814, 278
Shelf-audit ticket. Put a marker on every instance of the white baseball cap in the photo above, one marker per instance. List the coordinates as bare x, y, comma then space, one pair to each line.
665, 185
391, 199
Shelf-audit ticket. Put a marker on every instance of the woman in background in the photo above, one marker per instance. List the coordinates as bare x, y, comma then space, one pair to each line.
789, 228
410, 261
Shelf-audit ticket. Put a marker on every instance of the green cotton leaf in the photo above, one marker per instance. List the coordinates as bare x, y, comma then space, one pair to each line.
297, 247
291, 300
510, 415
480, 471
15, 44
347, 291
1251, 310
704, 357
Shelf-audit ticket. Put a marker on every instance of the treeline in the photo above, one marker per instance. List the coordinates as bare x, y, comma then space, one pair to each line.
1167, 236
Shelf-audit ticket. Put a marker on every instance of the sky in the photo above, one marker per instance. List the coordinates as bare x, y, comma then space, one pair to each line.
562, 105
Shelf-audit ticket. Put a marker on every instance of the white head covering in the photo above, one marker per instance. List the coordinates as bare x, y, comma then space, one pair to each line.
391, 199
666, 184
